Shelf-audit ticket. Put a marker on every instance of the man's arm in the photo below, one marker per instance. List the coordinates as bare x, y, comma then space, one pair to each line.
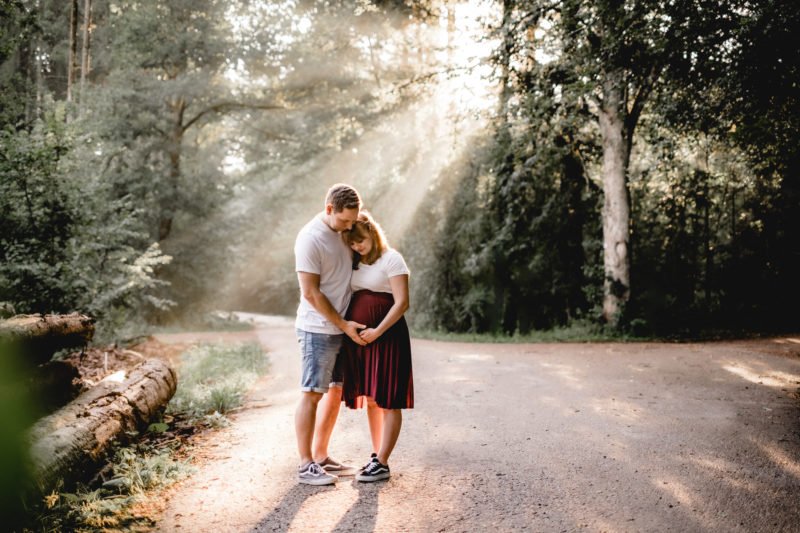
309, 287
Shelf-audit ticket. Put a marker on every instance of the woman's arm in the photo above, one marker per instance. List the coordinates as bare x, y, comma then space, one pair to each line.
399, 286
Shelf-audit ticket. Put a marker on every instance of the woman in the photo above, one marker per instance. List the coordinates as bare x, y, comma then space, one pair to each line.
378, 374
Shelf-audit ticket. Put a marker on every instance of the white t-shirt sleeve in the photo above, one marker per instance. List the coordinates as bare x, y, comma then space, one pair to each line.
307, 255
395, 264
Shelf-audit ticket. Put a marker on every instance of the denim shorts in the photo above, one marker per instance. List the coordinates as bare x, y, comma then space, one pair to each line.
319, 352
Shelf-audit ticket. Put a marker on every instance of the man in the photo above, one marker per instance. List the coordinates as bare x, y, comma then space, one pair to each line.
324, 264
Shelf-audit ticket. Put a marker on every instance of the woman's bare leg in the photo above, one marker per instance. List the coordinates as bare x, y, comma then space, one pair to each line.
375, 417
392, 421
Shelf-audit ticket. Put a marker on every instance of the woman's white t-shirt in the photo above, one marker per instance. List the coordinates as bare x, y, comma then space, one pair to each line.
375, 277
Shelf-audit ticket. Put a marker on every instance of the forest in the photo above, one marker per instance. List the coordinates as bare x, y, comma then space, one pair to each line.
626, 164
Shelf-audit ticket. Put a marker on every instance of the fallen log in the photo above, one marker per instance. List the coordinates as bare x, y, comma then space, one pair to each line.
67, 444
54, 384
40, 336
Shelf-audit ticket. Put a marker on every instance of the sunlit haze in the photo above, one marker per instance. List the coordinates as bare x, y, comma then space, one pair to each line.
394, 164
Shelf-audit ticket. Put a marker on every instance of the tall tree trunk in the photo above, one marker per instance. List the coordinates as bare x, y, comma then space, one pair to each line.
169, 198
25, 68
72, 58
616, 209
451, 30
42, 5
506, 50
85, 51
376, 71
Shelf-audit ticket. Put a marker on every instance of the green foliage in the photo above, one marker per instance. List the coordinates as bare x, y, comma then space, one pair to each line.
17, 413
518, 240
751, 103
712, 177
134, 472
205, 129
69, 242
212, 379
18, 28
576, 331
137, 470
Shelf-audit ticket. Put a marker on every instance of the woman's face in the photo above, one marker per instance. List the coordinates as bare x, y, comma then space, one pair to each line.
363, 247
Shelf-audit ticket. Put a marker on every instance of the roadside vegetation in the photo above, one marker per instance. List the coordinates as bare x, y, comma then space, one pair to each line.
584, 331
213, 380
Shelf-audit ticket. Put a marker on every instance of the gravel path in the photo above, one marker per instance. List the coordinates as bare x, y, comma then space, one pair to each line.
527, 437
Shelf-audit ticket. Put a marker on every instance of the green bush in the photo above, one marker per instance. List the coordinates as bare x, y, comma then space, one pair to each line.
69, 241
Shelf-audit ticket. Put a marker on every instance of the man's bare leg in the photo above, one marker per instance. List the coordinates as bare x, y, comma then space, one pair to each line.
327, 413
304, 418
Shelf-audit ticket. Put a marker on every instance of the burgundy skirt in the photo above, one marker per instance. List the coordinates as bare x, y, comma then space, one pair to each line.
382, 369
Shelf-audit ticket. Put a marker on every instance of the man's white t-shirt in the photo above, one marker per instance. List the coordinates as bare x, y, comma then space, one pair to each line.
320, 250
375, 277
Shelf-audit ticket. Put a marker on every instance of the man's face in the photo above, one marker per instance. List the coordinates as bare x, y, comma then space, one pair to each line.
343, 220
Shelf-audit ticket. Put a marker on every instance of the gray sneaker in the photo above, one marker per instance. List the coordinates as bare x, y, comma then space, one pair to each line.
313, 474
332, 466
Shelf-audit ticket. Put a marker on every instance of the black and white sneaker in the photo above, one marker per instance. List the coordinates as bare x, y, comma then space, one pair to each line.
372, 457
375, 471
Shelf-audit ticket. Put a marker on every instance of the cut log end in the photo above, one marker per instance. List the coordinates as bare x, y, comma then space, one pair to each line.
40, 336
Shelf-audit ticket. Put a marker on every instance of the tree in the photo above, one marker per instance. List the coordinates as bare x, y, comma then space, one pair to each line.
605, 59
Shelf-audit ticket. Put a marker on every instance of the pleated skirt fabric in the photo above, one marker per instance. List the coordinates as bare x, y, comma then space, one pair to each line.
380, 370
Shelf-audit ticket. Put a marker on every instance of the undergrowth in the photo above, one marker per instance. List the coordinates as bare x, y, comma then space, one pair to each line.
576, 332
212, 380
108, 503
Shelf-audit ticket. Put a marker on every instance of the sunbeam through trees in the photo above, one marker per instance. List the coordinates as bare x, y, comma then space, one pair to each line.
628, 165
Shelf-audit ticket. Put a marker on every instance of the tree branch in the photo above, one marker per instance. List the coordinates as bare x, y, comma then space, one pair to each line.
223, 107
645, 88
270, 135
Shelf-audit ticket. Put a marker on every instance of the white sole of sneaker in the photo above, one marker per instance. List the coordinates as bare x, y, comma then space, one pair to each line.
370, 479
317, 482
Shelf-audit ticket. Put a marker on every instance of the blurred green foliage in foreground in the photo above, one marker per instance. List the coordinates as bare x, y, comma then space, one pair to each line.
16, 415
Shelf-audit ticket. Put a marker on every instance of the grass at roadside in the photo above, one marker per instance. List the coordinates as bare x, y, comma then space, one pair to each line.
212, 380
219, 321
577, 332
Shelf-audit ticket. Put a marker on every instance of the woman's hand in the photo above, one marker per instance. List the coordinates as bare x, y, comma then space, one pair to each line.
369, 335
351, 330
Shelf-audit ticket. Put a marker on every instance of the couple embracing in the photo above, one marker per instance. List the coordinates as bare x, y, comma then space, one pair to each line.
353, 337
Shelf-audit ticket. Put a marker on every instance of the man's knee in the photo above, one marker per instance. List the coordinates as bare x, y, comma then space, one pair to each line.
311, 397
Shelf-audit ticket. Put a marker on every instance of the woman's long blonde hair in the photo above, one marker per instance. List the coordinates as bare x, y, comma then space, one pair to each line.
364, 227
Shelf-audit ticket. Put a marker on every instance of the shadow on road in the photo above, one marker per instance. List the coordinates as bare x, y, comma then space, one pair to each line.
362, 516
284, 512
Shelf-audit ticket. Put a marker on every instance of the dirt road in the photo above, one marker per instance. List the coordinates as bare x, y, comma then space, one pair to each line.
545, 437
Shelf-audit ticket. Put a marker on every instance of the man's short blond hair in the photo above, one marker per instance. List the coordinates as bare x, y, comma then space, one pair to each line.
342, 196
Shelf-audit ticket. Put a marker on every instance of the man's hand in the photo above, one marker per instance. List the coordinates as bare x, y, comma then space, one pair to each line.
369, 335
351, 330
